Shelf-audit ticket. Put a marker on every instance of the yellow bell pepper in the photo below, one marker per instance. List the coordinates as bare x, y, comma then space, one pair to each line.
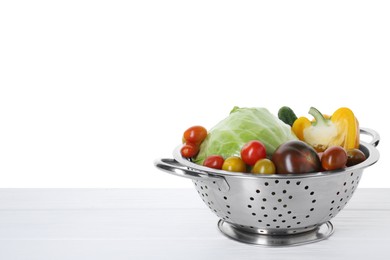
342, 129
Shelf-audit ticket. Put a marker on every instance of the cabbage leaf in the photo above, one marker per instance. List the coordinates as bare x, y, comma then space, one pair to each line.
241, 126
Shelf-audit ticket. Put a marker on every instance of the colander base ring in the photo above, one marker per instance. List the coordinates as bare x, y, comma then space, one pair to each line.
231, 231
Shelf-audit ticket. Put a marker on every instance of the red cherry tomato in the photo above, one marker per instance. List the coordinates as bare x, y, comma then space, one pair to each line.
214, 161
189, 150
253, 151
195, 134
333, 158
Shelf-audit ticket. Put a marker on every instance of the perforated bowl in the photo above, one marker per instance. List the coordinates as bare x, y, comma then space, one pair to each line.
277, 209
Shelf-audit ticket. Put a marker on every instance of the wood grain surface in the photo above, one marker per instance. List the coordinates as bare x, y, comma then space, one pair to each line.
166, 224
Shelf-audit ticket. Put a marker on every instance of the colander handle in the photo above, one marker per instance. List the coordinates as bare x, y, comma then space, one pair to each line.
374, 135
174, 167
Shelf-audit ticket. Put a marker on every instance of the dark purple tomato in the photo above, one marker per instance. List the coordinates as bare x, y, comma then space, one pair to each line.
296, 157
334, 158
355, 156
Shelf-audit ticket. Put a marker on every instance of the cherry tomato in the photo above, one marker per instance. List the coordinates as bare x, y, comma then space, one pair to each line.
195, 134
355, 156
253, 151
265, 166
234, 164
214, 161
333, 158
189, 150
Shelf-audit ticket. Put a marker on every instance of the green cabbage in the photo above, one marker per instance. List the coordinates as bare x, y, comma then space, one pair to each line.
241, 126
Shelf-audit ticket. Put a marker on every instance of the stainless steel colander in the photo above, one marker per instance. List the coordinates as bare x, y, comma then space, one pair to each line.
277, 209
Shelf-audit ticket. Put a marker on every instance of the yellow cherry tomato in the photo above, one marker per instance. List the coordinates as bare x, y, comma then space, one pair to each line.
265, 166
234, 164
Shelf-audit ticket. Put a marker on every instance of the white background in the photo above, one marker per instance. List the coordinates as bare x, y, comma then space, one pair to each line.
91, 92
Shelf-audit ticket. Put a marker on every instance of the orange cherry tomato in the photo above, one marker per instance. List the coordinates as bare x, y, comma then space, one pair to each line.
189, 150
195, 134
264, 166
234, 164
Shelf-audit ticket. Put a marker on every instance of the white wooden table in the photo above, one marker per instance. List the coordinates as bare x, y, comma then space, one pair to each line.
166, 224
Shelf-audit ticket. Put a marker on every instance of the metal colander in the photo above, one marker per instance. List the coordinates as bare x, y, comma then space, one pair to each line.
277, 209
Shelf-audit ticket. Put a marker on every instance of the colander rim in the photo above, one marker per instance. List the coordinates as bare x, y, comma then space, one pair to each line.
370, 160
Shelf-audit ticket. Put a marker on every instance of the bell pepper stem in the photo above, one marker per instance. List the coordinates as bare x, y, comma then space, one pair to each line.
320, 119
